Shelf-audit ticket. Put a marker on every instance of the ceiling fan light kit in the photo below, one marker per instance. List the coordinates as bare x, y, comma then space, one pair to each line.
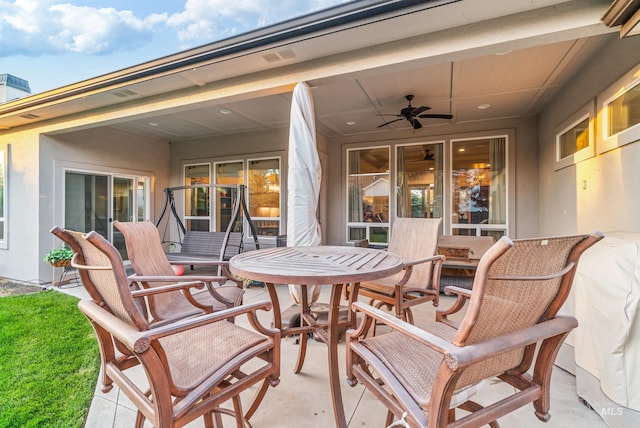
411, 114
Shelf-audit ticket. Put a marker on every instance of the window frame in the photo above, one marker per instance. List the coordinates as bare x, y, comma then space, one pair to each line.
623, 85
268, 221
480, 229
185, 202
4, 217
391, 203
585, 112
445, 179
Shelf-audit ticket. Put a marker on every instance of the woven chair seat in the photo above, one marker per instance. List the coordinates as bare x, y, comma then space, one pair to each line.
410, 360
210, 347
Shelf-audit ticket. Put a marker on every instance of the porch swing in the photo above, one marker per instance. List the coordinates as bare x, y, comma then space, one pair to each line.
207, 245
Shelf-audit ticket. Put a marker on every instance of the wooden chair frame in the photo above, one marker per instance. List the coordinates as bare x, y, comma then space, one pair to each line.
415, 240
456, 355
187, 380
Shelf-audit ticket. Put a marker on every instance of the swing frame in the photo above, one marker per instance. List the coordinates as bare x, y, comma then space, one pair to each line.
239, 203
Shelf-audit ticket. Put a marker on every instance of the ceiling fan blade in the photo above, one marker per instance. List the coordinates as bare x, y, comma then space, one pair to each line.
418, 110
436, 116
385, 124
415, 123
389, 114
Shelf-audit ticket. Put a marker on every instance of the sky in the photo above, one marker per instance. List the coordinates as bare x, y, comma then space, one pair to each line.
53, 43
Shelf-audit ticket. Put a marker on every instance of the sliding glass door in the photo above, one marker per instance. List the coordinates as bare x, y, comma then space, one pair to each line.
94, 201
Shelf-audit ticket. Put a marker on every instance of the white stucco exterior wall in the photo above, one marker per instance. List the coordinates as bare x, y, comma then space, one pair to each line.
608, 201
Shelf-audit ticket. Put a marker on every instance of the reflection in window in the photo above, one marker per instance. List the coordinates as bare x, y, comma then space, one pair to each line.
368, 189
420, 181
264, 195
624, 111
574, 139
141, 199
479, 187
197, 202
230, 173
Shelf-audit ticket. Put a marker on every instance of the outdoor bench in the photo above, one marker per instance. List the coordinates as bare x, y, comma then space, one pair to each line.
204, 245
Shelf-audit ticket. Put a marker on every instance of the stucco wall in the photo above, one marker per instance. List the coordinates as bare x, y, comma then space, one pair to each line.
106, 151
601, 192
20, 259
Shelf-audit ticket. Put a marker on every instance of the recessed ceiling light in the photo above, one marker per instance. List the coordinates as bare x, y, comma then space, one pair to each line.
153, 124
484, 106
351, 122
503, 53
225, 111
461, 149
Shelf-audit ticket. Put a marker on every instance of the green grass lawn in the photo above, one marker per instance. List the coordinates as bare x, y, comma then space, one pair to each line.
49, 361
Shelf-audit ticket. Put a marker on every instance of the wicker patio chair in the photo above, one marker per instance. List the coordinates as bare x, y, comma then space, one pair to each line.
425, 372
144, 248
193, 366
416, 241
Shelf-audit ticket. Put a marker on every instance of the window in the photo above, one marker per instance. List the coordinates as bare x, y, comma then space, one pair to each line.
479, 186
368, 195
3, 198
197, 209
620, 114
419, 180
575, 137
264, 195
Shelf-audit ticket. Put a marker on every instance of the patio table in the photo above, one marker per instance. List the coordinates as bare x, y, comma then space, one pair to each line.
322, 265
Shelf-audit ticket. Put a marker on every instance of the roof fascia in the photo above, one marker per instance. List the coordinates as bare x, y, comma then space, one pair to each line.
316, 23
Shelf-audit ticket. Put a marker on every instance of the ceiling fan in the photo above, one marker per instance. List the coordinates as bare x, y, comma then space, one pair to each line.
412, 114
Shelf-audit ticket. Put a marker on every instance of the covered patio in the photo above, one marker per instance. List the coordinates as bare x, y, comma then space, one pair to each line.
303, 399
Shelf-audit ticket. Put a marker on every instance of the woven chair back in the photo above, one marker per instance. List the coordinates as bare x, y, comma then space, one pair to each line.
501, 306
107, 276
147, 257
412, 239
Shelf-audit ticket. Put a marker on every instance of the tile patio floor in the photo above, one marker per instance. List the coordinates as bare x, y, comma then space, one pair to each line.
303, 400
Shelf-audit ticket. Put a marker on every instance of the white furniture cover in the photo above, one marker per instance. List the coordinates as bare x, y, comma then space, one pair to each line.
605, 299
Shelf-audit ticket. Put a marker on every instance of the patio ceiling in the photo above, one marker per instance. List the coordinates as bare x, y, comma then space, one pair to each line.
509, 84
445, 55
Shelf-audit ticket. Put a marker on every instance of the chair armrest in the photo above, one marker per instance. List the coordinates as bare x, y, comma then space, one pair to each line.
139, 341
470, 354
408, 267
451, 290
434, 342
463, 295
425, 260
176, 286
457, 357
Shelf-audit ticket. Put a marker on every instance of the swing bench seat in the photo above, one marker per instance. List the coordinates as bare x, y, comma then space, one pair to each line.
203, 245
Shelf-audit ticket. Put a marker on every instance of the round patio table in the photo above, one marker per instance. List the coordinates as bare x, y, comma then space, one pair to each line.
322, 265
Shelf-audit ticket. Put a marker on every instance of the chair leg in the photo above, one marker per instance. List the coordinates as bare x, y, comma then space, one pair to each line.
237, 408
389, 420
262, 391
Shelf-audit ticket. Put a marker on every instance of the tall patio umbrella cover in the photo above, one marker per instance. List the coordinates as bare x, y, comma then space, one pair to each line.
303, 180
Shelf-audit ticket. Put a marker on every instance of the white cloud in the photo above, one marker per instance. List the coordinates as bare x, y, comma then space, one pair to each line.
37, 27
210, 20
